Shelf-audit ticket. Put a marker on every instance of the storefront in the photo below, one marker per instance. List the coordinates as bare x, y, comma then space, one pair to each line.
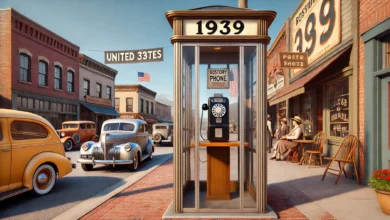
322, 93
97, 110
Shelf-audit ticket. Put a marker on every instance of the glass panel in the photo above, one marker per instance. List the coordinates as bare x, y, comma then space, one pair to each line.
250, 162
188, 123
339, 110
307, 119
219, 166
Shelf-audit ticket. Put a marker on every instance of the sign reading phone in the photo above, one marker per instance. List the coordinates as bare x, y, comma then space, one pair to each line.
217, 78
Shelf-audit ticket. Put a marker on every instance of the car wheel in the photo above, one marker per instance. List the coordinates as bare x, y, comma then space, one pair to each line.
135, 164
157, 138
87, 167
43, 180
68, 145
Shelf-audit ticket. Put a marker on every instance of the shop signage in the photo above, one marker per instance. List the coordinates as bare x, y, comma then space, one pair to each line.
221, 27
133, 56
293, 60
98, 101
315, 28
217, 78
280, 83
270, 89
339, 111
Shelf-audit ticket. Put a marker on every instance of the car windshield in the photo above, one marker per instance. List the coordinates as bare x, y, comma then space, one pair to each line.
66, 126
119, 127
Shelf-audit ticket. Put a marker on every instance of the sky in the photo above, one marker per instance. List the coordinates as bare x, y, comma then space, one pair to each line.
106, 25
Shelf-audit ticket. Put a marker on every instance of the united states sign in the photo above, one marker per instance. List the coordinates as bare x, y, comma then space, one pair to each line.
133, 56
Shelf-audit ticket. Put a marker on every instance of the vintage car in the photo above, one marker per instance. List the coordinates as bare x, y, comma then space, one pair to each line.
31, 154
74, 133
163, 133
122, 142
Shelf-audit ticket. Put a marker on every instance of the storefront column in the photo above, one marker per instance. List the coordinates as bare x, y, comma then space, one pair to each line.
78, 112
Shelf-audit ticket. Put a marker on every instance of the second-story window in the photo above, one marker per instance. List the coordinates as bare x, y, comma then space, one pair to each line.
108, 91
24, 68
147, 107
142, 105
70, 81
42, 81
129, 104
99, 90
117, 103
57, 77
151, 108
86, 87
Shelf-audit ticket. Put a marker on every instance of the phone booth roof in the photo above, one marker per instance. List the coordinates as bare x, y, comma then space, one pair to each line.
260, 21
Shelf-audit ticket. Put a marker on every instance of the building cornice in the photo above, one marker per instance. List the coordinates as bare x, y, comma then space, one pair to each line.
96, 65
134, 88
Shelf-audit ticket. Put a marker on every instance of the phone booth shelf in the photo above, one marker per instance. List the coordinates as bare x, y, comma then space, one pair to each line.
234, 184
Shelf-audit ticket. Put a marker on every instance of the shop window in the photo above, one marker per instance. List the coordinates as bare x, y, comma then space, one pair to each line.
30, 103
282, 110
339, 108
142, 105
36, 105
53, 106
147, 107
59, 107
41, 105
117, 104
57, 77
70, 81
129, 104
24, 68
24, 130
47, 105
99, 89
108, 91
307, 120
42, 80
86, 87
74, 107
151, 108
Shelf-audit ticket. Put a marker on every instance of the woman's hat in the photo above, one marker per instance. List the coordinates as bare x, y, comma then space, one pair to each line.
297, 119
284, 120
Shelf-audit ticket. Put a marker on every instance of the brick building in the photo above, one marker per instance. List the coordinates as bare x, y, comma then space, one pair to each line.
324, 93
163, 112
38, 69
374, 85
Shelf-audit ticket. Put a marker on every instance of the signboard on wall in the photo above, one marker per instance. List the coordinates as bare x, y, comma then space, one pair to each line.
270, 89
217, 78
315, 28
133, 56
293, 60
223, 27
98, 101
280, 83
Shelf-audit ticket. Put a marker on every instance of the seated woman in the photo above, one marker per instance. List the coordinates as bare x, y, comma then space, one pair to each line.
284, 146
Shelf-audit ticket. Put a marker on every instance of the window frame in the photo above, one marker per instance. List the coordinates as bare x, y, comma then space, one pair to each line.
43, 74
70, 83
28, 70
28, 121
99, 91
109, 92
117, 104
86, 91
58, 78
151, 108
147, 107
142, 105
132, 104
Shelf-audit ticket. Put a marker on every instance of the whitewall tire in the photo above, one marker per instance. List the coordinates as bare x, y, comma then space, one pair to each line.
44, 179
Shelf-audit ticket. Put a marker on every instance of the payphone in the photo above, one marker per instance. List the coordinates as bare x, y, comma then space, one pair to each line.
218, 118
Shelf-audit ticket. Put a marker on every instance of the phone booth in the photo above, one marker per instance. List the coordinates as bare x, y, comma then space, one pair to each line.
220, 106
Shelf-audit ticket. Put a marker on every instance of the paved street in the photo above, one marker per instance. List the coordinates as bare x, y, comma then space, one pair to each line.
71, 190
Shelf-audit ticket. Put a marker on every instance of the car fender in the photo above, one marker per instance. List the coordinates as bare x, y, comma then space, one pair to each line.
64, 139
150, 147
90, 147
62, 166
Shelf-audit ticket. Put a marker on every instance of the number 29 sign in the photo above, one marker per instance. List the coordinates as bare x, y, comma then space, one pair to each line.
315, 27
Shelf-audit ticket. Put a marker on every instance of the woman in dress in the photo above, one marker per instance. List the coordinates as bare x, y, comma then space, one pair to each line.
284, 146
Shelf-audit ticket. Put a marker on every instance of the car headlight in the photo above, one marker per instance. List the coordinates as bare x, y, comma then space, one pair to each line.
127, 148
85, 147
62, 134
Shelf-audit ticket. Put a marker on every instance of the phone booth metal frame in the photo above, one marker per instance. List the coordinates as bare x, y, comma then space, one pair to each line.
186, 94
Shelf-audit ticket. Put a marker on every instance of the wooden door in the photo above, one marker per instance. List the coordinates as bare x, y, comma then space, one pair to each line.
385, 125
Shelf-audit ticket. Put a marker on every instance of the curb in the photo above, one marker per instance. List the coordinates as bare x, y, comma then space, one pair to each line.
91, 203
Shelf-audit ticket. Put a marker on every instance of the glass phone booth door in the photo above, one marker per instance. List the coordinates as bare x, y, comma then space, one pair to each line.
219, 145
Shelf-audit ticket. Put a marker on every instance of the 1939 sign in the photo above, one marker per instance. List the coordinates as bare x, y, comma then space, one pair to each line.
315, 27
224, 27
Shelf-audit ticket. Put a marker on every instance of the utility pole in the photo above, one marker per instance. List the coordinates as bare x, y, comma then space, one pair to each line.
243, 3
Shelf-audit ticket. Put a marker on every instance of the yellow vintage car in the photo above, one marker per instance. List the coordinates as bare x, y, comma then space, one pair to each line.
32, 156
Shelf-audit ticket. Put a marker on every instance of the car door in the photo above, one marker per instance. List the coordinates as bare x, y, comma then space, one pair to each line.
83, 131
5, 156
141, 138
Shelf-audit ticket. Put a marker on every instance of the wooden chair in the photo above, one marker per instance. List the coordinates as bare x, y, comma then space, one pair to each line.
344, 155
317, 148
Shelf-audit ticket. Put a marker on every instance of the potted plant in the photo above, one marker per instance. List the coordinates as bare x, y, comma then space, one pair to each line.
380, 181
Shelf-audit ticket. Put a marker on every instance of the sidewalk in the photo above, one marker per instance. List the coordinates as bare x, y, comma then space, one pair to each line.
294, 192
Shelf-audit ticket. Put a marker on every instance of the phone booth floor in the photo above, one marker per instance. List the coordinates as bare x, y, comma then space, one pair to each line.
220, 84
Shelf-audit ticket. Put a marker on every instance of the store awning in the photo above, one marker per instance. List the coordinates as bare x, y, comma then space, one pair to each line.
298, 87
101, 110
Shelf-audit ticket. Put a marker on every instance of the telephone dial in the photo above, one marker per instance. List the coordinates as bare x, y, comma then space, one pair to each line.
218, 118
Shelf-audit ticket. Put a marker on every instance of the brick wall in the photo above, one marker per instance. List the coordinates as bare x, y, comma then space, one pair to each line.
5, 64
279, 45
372, 12
39, 41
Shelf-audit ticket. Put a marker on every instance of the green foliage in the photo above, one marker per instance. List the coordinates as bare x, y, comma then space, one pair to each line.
380, 180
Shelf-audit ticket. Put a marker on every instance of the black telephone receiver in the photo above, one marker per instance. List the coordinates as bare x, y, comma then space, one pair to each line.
218, 119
